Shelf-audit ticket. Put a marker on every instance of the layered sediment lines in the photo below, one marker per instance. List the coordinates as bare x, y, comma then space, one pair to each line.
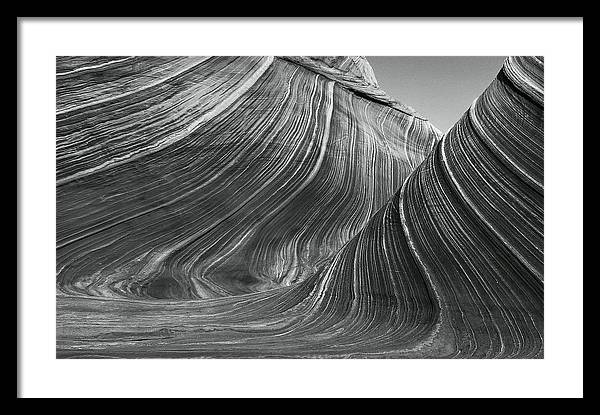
191, 178
266, 207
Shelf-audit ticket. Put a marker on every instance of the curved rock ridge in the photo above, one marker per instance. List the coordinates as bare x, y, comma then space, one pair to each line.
355, 68
354, 73
202, 177
473, 213
451, 266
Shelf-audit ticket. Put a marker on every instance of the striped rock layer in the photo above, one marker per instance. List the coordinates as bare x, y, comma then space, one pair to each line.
286, 207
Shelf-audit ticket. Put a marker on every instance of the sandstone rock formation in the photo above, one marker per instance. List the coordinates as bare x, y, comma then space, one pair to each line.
288, 207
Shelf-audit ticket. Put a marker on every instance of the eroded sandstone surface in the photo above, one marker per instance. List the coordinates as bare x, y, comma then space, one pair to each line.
288, 207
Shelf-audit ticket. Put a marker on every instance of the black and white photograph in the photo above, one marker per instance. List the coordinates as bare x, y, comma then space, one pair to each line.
290, 207
274, 208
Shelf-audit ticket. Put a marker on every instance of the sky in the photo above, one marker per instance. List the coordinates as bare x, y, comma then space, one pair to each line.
441, 88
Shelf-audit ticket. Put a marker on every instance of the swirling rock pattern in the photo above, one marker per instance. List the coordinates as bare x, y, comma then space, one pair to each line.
287, 207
